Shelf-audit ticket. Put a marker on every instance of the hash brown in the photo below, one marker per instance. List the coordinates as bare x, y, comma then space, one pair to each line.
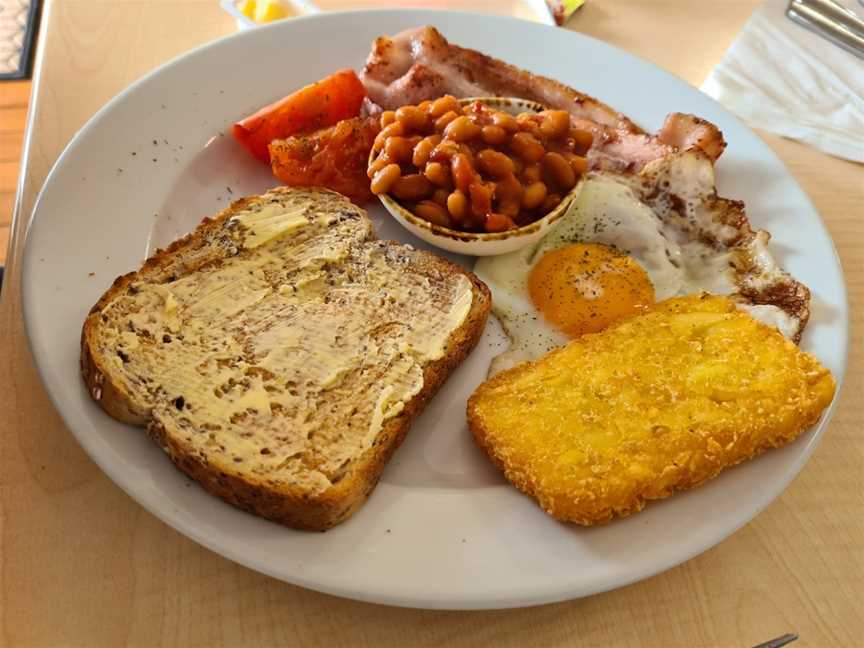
658, 403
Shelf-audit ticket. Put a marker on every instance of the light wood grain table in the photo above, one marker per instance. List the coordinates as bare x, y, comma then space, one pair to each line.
81, 564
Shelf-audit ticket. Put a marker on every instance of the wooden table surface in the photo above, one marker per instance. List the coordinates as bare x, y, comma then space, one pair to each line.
81, 564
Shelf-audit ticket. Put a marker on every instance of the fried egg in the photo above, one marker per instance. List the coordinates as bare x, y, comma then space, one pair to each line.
613, 255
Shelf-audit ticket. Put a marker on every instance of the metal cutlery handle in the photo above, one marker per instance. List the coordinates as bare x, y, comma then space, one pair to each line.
804, 13
778, 642
836, 11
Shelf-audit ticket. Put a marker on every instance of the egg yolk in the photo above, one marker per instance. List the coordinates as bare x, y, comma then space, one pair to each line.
585, 287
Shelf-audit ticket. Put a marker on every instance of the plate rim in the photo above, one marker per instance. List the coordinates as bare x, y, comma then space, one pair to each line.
190, 530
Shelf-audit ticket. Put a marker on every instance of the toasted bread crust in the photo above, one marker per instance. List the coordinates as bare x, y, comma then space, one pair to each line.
283, 503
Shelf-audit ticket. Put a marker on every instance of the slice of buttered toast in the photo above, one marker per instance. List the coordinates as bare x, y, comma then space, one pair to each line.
280, 352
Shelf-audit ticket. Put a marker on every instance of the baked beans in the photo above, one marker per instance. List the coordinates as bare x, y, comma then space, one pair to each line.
475, 168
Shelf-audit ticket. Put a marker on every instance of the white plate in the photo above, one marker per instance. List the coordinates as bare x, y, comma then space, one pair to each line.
443, 529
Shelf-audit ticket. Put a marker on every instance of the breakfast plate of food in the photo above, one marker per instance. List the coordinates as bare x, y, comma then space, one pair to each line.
510, 315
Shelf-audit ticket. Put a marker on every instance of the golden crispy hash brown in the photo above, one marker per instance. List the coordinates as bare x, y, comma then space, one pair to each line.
658, 403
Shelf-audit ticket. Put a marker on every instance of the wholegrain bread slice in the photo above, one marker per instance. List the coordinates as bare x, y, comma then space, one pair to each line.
280, 352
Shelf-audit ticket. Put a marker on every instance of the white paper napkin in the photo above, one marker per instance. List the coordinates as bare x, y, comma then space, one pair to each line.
782, 78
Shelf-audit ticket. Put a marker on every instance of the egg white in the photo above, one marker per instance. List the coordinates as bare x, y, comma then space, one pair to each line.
607, 212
